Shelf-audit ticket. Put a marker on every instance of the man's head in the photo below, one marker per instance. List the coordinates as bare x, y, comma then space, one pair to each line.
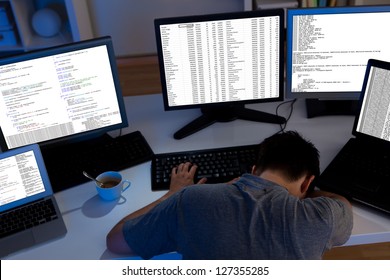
290, 155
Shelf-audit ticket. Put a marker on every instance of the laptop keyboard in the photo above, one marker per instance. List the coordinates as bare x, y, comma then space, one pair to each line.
27, 216
65, 165
367, 170
365, 163
217, 165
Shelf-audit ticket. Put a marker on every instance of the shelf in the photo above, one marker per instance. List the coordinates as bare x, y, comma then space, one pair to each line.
20, 12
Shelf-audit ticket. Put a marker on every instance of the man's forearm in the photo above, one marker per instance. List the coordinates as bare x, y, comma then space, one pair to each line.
318, 193
115, 239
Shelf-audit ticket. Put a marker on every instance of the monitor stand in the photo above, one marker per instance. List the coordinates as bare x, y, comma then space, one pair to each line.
212, 115
317, 107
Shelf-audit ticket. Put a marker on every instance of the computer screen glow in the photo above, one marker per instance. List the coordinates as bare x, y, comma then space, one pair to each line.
328, 49
58, 94
220, 58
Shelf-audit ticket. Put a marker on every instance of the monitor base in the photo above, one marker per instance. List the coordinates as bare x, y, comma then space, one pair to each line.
226, 114
317, 107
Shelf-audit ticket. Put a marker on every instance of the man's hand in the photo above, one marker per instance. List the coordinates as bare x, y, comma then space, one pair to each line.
182, 176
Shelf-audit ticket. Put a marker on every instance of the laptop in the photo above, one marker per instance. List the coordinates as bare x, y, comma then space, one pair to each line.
361, 169
29, 213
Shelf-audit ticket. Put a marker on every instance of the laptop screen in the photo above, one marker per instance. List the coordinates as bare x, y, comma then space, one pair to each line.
22, 177
374, 116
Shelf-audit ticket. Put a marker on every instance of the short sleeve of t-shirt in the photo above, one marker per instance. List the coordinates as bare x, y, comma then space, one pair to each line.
149, 235
330, 223
342, 221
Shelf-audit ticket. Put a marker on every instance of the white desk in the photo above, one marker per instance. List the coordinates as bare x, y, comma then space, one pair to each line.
89, 219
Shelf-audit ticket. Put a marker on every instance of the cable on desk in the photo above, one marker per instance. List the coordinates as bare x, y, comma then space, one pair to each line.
283, 126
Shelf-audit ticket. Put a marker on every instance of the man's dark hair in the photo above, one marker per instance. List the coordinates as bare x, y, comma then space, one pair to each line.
289, 153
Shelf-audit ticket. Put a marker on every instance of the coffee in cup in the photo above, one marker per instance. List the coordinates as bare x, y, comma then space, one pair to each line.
109, 184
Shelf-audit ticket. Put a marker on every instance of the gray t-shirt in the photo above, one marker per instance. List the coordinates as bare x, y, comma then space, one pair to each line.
251, 219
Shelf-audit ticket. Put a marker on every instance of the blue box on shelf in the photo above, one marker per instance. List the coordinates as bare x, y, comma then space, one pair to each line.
7, 38
5, 18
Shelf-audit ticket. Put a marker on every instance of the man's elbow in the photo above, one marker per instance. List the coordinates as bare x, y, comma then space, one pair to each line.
116, 243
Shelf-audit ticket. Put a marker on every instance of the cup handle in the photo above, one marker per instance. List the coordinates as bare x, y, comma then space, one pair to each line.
125, 185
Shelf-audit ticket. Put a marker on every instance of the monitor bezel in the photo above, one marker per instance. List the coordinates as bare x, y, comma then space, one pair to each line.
323, 95
215, 17
75, 46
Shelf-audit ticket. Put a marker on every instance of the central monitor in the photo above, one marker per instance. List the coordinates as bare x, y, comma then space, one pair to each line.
221, 62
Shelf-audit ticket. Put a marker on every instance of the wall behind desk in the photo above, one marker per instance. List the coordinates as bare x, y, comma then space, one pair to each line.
371, 2
130, 22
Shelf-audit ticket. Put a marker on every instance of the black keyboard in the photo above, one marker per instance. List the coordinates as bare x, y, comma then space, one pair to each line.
27, 216
65, 164
217, 165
